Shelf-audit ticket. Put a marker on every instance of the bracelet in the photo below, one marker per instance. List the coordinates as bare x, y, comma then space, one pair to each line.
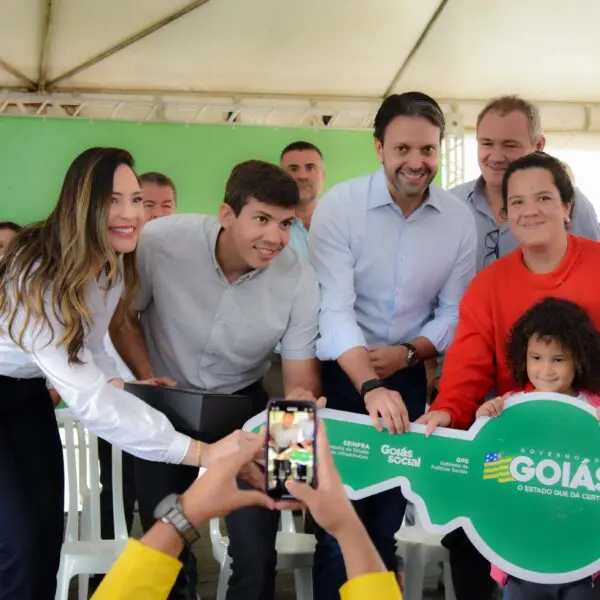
198, 454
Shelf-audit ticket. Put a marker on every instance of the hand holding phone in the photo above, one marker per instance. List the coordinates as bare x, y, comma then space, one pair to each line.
291, 446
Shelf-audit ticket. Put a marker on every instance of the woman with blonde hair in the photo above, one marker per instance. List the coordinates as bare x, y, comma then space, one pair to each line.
60, 282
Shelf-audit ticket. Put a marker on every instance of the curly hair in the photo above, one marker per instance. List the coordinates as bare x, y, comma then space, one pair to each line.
568, 324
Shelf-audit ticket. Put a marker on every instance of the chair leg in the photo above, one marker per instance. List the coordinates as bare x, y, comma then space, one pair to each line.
84, 584
448, 584
414, 572
304, 584
224, 575
65, 573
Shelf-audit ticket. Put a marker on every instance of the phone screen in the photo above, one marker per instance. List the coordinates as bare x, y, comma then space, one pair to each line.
291, 445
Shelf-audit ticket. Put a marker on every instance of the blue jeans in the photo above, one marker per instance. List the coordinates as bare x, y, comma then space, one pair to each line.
381, 514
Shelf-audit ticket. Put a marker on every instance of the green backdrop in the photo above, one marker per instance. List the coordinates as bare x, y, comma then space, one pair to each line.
35, 154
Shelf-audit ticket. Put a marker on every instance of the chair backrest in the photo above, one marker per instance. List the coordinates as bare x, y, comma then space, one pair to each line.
83, 481
72, 440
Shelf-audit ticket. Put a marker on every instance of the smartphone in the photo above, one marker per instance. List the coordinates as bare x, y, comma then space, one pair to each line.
291, 446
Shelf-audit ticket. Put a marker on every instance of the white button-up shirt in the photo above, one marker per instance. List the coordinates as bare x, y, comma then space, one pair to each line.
113, 414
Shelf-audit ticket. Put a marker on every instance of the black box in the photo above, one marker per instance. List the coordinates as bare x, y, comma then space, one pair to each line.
205, 416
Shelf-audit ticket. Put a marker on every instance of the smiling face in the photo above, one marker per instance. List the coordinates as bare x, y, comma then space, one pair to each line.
259, 233
409, 154
502, 138
535, 211
549, 367
126, 215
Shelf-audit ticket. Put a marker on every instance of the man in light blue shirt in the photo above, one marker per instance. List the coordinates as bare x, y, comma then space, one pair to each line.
304, 162
509, 128
393, 254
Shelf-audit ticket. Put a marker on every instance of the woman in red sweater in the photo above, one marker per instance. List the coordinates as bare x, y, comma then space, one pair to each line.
537, 195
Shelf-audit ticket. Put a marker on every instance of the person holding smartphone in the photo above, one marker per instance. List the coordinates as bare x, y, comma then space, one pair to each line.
148, 568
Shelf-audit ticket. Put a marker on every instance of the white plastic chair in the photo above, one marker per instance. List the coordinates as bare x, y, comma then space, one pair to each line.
420, 548
294, 551
84, 552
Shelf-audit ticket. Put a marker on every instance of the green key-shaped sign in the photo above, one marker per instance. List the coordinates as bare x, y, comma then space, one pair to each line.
525, 486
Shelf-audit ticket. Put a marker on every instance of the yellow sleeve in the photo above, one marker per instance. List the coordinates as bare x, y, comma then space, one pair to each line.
383, 586
141, 573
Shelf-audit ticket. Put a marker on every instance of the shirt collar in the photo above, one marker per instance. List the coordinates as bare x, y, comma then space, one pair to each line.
379, 194
477, 199
298, 224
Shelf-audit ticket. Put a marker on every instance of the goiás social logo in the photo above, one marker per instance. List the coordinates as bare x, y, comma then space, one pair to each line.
400, 456
567, 471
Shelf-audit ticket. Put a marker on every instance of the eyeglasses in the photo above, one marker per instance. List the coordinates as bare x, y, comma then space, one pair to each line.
492, 240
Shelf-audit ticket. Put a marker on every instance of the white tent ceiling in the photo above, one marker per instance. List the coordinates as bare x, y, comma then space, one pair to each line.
281, 62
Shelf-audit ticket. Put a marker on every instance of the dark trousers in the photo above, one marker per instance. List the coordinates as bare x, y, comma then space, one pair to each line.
31, 491
381, 514
251, 531
586, 589
470, 570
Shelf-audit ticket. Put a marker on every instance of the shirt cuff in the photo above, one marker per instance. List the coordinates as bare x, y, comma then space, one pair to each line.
178, 449
331, 347
306, 354
140, 570
439, 332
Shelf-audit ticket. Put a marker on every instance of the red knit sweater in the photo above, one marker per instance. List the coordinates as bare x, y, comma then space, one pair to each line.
498, 296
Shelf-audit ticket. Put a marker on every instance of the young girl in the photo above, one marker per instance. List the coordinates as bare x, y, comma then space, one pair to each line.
60, 281
554, 347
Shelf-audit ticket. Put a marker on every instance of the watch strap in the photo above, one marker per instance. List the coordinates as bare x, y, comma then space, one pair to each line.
175, 517
412, 357
370, 384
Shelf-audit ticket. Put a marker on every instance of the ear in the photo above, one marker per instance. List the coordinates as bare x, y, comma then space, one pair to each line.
568, 212
379, 149
540, 144
226, 216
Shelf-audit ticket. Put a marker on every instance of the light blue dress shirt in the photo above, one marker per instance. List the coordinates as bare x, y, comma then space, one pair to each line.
386, 279
299, 239
584, 223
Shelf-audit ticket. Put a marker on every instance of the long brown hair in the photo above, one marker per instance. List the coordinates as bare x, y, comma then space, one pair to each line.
51, 264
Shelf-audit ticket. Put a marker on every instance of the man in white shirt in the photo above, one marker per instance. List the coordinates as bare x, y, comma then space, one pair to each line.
393, 254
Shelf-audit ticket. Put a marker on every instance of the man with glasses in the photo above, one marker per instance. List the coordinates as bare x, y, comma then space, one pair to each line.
509, 128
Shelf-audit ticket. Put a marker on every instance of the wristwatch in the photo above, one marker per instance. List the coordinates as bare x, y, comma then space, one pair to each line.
169, 511
412, 357
370, 384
